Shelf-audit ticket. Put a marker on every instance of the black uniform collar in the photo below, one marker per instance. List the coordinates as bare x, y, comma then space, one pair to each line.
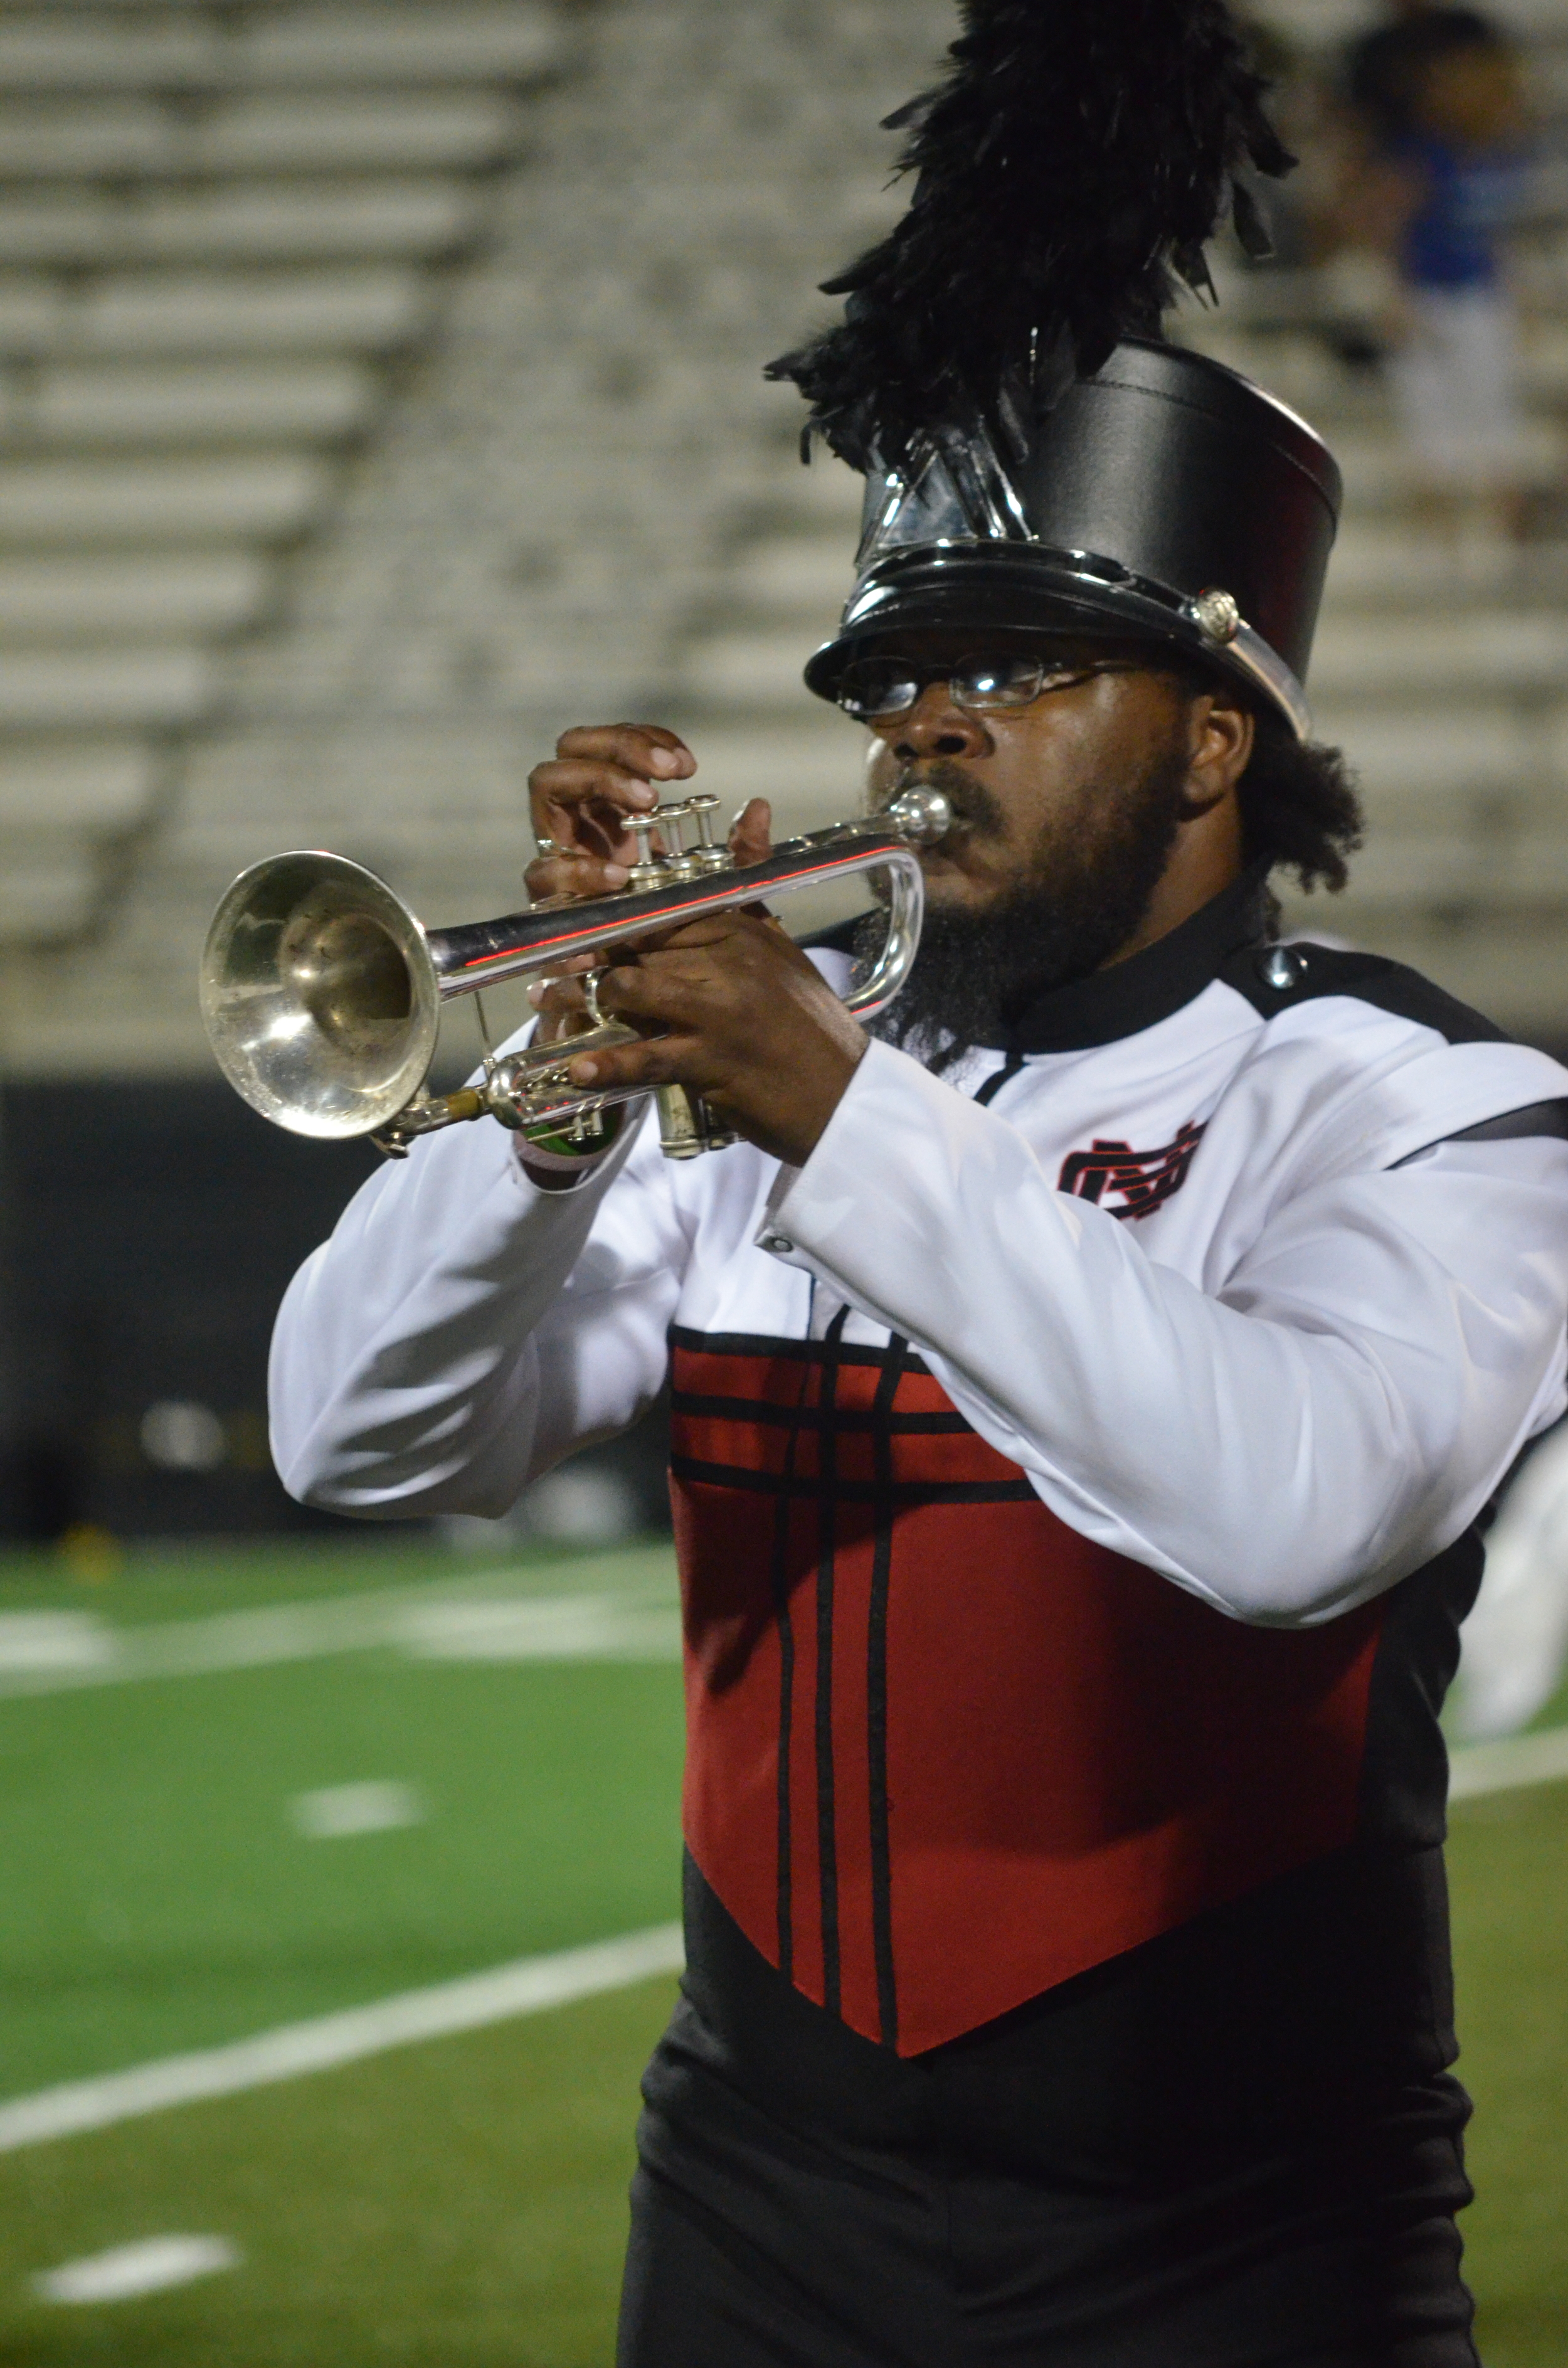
1147, 987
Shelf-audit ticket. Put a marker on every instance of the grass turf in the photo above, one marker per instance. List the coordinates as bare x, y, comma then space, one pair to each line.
133, 1585
463, 2202
455, 2205
1508, 1866
158, 1897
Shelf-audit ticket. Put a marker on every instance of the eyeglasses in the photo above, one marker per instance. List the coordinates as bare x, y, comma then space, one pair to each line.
871, 690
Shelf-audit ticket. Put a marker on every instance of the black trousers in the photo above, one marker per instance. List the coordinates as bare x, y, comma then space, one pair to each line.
751, 2248
802, 2200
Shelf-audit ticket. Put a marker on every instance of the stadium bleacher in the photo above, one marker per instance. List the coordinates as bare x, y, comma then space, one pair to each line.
222, 235
360, 427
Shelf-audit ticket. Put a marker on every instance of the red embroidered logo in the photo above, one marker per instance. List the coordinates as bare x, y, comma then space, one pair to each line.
1142, 1181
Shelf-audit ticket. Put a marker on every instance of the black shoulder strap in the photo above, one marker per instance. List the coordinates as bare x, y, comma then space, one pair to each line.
1275, 978
1540, 1118
1514, 1126
998, 1078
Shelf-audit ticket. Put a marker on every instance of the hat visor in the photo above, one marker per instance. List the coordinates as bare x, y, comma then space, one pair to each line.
1018, 591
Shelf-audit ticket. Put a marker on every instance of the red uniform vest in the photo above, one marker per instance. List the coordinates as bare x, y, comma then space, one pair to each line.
944, 1753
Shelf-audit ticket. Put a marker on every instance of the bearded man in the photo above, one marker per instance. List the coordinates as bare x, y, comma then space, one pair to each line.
1086, 1389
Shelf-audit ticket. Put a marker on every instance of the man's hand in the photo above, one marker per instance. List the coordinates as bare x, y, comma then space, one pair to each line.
734, 1009
599, 774
747, 1022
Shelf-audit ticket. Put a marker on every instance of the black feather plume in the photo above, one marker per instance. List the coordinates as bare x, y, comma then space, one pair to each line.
1072, 165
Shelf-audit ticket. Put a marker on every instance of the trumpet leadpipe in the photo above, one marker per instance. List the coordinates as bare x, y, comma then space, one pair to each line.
549, 936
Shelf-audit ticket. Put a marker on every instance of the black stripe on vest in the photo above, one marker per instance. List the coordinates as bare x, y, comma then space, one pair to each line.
877, 1699
785, 1690
827, 1525
852, 1492
803, 1418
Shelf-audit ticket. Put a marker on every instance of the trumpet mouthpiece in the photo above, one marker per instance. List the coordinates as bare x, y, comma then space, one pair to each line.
921, 816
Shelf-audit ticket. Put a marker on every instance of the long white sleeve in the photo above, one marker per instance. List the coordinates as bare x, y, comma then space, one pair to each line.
461, 1331
1285, 1440
1294, 1383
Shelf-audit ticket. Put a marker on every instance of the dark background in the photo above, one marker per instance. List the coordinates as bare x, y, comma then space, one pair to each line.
147, 1235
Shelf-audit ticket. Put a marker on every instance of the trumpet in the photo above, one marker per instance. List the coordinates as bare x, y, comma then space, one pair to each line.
321, 992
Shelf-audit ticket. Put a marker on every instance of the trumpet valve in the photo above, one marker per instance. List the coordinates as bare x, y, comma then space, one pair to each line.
671, 820
650, 870
705, 856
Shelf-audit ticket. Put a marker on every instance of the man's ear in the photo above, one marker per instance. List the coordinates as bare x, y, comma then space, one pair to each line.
1222, 735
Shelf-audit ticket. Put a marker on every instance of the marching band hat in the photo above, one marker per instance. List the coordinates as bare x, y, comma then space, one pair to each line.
1163, 497
1036, 456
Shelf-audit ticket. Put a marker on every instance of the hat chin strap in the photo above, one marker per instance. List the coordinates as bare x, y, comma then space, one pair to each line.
1208, 622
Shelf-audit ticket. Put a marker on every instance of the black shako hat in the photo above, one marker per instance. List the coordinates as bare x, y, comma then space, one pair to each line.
1163, 497
1036, 456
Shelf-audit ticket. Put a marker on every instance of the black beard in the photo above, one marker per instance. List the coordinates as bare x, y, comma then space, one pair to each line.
1084, 894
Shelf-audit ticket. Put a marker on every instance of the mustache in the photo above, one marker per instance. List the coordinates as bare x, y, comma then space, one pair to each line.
975, 810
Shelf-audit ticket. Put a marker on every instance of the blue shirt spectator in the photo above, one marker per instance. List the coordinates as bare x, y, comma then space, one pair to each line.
1470, 198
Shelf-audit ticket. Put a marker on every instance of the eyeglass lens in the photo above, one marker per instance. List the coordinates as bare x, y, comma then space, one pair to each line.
873, 688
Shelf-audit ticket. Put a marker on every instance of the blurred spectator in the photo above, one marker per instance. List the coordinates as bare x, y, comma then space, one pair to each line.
1383, 69
1434, 172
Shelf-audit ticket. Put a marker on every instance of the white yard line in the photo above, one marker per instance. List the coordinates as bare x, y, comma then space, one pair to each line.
481, 1616
1500, 1766
527, 1986
338, 1812
152, 2266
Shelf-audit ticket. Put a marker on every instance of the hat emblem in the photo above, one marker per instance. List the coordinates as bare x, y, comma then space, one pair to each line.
1217, 616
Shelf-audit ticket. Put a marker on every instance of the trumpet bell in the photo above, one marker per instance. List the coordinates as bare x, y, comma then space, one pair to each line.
319, 996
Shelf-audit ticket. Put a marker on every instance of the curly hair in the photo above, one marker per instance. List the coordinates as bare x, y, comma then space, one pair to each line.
1300, 808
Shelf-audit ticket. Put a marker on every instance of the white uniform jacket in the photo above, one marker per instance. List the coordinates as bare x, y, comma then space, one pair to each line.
1206, 1280
1238, 1262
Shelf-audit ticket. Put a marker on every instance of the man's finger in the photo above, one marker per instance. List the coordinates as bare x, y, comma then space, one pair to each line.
567, 974
567, 783
600, 830
751, 834
713, 929
649, 1064
562, 1009
652, 990
589, 813
649, 750
655, 949
558, 998
571, 872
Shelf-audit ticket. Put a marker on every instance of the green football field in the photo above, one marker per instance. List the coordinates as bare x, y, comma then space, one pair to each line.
245, 1789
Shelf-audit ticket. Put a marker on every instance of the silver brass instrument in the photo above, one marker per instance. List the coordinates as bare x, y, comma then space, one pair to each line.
321, 992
